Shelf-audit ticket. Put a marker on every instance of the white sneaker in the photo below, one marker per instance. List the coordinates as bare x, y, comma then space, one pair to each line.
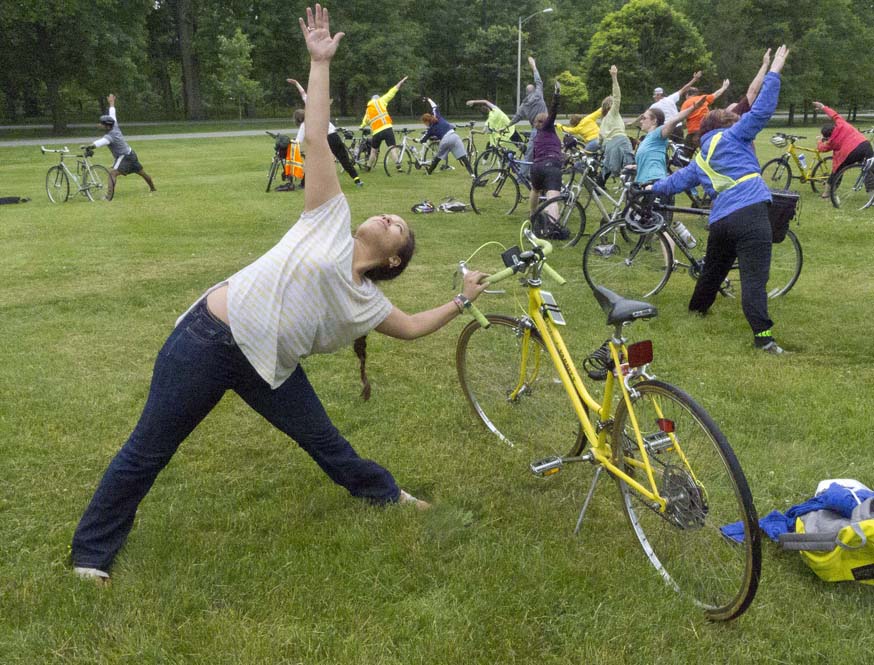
406, 497
95, 574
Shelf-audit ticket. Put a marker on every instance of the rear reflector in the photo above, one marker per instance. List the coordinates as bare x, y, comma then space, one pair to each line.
640, 353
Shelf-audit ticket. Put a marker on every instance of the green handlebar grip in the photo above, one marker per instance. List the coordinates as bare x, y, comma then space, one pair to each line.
478, 315
553, 274
494, 278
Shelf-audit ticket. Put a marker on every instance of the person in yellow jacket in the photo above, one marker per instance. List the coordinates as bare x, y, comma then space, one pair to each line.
585, 128
379, 120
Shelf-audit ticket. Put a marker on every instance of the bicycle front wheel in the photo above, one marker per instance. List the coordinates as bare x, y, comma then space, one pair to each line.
696, 471
271, 174
777, 174
489, 159
820, 175
57, 185
509, 379
848, 188
495, 192
571, 218
634, 265
97, 182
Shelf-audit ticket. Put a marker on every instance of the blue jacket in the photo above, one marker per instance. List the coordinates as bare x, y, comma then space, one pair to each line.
440, 128
734, 157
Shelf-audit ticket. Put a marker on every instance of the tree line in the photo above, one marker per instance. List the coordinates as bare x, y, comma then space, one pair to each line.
214, 59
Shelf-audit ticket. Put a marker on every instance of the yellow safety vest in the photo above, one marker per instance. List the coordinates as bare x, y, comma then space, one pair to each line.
377, 115
294, 161
720, 182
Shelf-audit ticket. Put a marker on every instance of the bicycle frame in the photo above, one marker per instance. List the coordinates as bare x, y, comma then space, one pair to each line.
539, 317
88, 181
806, 171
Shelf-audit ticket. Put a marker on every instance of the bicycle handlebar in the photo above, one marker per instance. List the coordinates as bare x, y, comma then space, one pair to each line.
63, 150
540, 250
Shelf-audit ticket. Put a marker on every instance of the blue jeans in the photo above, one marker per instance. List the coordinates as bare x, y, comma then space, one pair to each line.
198, 363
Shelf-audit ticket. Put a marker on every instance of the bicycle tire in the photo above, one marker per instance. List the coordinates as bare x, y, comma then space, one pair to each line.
634, 265
57, 185
398, 161
777, 173
686, 544
271, 174
487, 160
570, 217
820, 175
540, 421
98, 181
495, 192
848, 188
470, 148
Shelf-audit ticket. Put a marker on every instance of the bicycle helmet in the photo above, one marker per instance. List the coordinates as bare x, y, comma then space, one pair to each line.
107, 120
779, 140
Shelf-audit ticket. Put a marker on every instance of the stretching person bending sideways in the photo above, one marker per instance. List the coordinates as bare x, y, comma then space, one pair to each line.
439, 128
548, 157
314, 292
338, 148
531, 106
739, 227
497, 122
693, 122
125, 158
617, 147
585, 128
380, 122
849, 144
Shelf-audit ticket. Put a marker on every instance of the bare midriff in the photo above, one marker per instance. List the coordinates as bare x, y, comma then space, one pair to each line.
217, 302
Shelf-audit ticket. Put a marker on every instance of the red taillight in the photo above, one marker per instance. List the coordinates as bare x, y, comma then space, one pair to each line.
665, 425
640, 353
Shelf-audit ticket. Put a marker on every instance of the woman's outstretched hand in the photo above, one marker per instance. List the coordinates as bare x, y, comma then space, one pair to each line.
316, 31
779, 59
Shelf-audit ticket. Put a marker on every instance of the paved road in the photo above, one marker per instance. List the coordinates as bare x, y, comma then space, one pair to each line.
134, 138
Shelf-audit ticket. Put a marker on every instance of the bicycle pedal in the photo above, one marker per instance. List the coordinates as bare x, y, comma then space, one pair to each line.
549, 466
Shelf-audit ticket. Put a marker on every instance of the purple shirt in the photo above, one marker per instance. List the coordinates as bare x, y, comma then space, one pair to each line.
547, 145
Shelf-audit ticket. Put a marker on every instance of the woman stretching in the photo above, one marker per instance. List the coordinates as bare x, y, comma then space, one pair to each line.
548, 158
849, 145
617, 147
739, 226
439, 128
314, 292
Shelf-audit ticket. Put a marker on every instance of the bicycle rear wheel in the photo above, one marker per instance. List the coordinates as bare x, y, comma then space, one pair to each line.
97, 183
820, 175
706, 491
777, 174
57, 185
495, 192
398, 161
274, 169
489, 159
570, 218
531, 413
634, 265
848, 188
786, 263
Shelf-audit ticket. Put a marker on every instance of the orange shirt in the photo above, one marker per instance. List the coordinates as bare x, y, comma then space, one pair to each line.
693, 121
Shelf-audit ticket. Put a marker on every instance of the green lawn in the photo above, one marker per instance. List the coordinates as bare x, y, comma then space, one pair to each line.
245, 553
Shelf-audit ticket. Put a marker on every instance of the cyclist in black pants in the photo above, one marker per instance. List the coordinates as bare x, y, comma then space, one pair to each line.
335, 143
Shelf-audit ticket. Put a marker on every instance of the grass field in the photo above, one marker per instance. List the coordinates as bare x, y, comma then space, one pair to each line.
244, 552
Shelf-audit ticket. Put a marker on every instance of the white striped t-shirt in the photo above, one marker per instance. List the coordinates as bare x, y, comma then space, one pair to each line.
299, 298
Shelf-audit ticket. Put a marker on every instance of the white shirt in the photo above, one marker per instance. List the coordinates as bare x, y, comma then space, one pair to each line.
300, 298
668, 105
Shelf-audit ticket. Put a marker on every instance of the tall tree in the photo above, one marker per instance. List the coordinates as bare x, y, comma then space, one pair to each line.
651, 44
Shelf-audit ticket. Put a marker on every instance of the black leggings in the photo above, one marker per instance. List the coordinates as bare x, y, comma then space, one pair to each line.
744, 235
339, 149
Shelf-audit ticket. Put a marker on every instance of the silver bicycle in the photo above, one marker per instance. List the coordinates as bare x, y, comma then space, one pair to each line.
90, 180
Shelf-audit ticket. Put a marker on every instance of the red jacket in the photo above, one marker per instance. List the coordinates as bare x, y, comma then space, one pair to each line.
844, 139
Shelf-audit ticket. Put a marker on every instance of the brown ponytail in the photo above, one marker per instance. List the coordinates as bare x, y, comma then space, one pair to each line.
360, 347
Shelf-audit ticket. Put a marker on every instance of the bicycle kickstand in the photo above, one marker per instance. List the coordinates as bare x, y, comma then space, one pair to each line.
588, 499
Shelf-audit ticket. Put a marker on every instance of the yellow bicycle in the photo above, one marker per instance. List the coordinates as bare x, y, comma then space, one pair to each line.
778, 173
680, 484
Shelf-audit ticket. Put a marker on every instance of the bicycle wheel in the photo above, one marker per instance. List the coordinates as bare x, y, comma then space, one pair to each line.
398, 161
634, 265
848, 188
57, 185
820, 175
531, 413
470, 148
495, 192
274, 169
777, 173
786, 262
570, 218
706, 491
489, 159
97, 183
